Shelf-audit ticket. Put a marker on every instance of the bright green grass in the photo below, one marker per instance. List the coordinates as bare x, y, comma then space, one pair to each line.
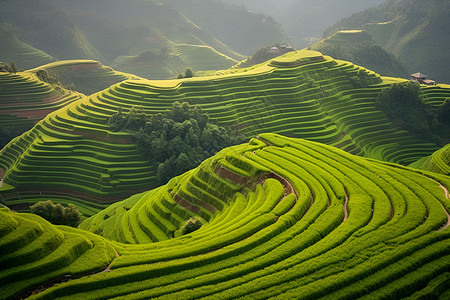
302, 220
34, 252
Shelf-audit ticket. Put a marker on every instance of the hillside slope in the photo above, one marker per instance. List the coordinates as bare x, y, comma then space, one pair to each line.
438, 162
128, 35
302, 94
25, 100
35, 253
13, 49
305, 20
413, 30
360, 48
283, 218
85, 76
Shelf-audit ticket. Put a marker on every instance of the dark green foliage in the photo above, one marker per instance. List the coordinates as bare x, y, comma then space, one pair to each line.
360, 80
443, 113
10, 68
51, 79
57, 213
404, 105
176, 141
7, 133
187, 74
192, 224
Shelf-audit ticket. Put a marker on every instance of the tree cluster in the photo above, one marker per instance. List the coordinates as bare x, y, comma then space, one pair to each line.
10, 68
360, 80
176, 141
53, 80
187, 74
191, 225
57, 214
403, 103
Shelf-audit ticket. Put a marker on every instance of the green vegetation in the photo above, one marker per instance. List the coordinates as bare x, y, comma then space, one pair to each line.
191, 225
34, 253
26, 98
85, 76
10, 68
404, 104
73, 153
282, 218
57, 214
173, 142
438, 162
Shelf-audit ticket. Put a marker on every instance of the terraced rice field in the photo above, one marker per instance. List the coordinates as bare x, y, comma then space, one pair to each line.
35, 252
438, 162
283, 218
302, 94
88, 76
25, 100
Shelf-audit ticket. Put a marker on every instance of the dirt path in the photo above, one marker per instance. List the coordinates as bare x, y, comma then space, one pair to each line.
446, 212
345, 206
447, 196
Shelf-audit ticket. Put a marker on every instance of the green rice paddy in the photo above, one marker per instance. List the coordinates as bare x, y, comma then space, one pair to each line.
72, 153
283, 218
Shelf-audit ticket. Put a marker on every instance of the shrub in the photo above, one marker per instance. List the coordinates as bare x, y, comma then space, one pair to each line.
191, 225
57, 213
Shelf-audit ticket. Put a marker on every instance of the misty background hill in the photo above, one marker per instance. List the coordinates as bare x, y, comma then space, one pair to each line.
305, 20
161, 39
416, 31
110, 30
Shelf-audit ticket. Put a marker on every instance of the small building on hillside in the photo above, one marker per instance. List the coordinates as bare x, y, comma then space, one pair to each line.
422, 79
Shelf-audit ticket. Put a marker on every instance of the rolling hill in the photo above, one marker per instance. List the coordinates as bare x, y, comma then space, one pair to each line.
25, 100
415, 31
130, 35
301, 94
13, 49
282, 218
85, 76
305, 20
438, 162
360, 48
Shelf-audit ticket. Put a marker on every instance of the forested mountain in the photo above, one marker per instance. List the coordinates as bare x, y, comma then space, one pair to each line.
360, 48
132, 34
416, 31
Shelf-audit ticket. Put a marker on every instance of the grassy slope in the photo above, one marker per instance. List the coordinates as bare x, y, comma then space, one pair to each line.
88, 76
438, 162
302, 94
12, 49
360, 48
25, 100
35, 252
296, 219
